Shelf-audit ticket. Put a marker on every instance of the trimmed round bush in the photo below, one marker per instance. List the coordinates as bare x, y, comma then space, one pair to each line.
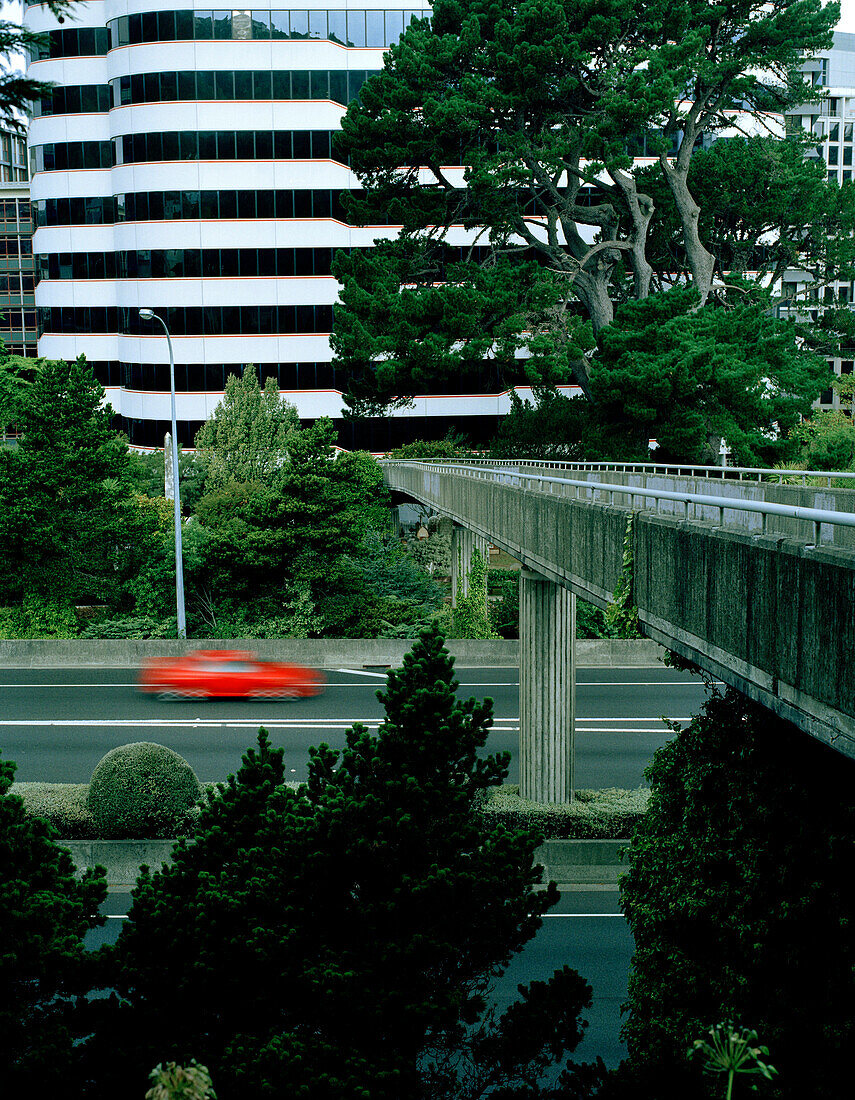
142, 790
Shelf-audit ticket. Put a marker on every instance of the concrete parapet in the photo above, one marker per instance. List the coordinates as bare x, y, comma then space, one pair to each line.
569, 861
316, 652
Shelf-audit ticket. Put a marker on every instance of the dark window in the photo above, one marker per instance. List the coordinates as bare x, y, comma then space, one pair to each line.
263, 145
149, 27
243, 85
170, 145
302, 149
225, 86
319, 84
210, 206
299, 84
302, 204
190, 204
203, 26
183, 25
226, 144
187, 85
207, 145
205, 88
222, 24
228, 204
264, 201
262, 85
246, 204
284, 204
188, 145
168, 86
245, 144
281, 84
166, 26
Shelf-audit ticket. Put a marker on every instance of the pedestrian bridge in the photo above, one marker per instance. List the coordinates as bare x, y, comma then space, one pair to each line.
750, 574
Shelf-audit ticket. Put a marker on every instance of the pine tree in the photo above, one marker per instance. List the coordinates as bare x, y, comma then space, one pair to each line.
340, 939
45, 911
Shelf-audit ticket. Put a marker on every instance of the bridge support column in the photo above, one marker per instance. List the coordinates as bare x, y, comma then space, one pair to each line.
547, 689
463, 542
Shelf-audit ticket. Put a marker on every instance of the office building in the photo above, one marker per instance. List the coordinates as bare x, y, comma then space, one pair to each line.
184, 163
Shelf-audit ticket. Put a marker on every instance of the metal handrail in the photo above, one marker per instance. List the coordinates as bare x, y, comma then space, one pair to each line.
719, 473
817, 516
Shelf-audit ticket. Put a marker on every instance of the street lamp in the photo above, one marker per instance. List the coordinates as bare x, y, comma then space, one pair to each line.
149, 315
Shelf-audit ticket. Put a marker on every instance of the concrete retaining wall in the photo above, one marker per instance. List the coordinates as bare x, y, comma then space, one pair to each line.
573, 862
316, 652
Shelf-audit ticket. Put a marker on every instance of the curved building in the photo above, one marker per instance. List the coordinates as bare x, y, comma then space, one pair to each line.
184, 163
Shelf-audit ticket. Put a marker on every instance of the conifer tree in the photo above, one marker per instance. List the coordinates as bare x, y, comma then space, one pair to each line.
45, 911
340, 939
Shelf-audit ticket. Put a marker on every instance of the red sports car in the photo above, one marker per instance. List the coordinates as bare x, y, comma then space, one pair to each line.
227, 674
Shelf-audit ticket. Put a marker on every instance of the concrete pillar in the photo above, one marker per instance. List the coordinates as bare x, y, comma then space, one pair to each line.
463, 542
168, 475
547, 689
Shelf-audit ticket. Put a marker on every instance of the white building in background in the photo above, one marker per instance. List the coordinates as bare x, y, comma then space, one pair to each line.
831, 121
184, 163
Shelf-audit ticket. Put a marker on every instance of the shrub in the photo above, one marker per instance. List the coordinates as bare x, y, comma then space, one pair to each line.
64, 805
609, 814
142, 789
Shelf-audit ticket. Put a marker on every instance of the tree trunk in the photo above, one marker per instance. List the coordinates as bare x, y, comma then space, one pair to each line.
701, 262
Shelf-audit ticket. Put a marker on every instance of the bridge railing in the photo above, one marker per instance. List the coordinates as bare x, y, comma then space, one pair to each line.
753, 514
775, 476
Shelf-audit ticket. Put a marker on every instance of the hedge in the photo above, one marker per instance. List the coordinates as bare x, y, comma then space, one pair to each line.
593, 815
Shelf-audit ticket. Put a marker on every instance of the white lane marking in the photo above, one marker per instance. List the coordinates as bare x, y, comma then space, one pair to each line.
616, 725
553, 915
359, 672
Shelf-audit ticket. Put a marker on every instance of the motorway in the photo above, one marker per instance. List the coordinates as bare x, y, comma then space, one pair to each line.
56, 724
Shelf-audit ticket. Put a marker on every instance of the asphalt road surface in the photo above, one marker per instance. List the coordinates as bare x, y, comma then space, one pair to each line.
585, 930
56, 724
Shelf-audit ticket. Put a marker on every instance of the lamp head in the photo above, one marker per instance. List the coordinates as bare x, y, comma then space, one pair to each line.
146, 314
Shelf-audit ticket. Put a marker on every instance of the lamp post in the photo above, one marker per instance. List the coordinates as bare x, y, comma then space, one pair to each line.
149, 315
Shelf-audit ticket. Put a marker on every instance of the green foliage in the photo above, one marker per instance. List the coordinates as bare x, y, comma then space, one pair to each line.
146, 473
432, 554
734, 1051
45, 911
738, 897
471, 617
621, 615
826, 441
453, 446
64, 805
133, 626
246, 439
16, 377
174, 1082
71, 528
686, 377
609, 814
551, 428
142, 785
339, 939
503, 587
540, 101
38, 617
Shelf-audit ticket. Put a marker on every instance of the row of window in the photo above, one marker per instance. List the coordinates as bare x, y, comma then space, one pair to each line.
17, 283
379, 29
184, 145
339, 85
15, 211
377, 434
190, 263
74, 99
143, 206
13, 246
352, 28
189, 320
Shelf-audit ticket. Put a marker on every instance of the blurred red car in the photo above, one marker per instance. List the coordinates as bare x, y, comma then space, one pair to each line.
227, 674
